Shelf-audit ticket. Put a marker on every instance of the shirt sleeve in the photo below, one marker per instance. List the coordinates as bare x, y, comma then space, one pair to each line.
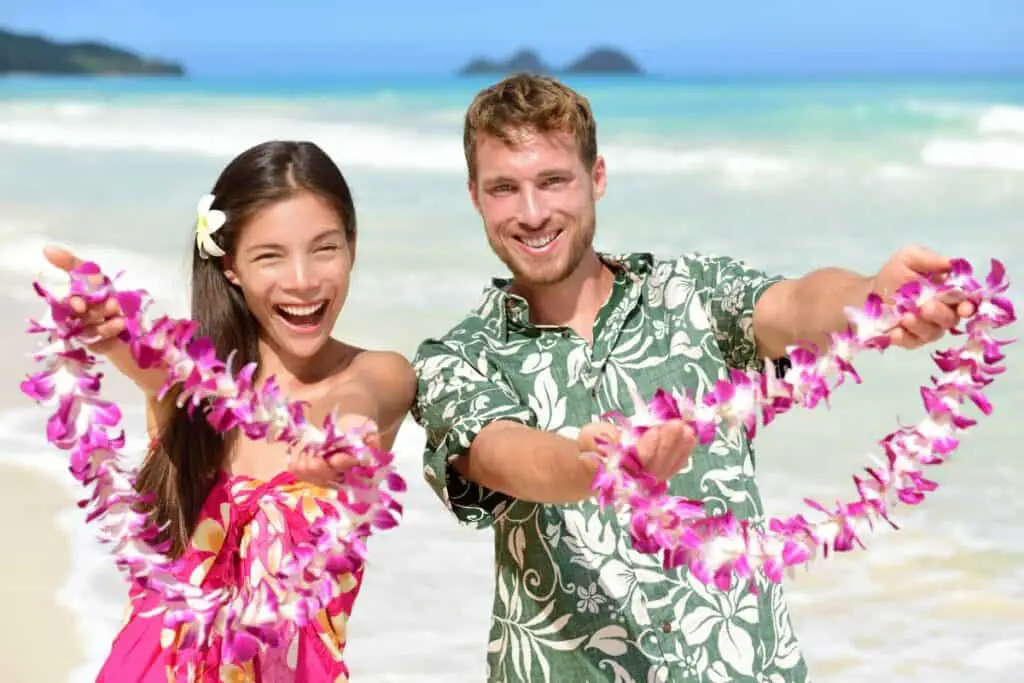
730, 289
456, 399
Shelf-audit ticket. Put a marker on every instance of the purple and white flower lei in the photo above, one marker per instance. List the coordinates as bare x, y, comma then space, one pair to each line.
719, 549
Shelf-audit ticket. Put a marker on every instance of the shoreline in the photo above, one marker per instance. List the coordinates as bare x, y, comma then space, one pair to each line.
40, 639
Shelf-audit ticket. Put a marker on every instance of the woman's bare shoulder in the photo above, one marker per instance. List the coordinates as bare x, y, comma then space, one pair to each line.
375, 365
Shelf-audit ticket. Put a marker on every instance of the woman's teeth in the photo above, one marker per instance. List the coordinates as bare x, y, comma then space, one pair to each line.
307, 316
302, 310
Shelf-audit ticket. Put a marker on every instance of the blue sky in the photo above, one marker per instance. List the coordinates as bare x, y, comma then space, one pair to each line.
680, 37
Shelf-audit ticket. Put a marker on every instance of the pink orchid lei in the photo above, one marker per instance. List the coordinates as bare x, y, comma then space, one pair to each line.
248, 617
718, 548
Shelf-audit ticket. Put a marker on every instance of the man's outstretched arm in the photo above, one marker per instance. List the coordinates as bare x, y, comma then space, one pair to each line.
811, 307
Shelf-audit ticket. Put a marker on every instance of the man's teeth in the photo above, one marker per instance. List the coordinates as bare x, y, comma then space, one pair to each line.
302, 310
539, 242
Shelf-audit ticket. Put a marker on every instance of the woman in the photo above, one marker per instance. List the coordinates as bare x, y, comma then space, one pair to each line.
269, 284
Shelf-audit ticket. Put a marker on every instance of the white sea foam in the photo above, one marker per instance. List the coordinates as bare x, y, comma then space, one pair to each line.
1002, 119
223, 133
1000, 154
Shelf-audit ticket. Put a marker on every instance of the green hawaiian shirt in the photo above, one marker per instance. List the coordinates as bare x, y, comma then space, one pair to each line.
573, 601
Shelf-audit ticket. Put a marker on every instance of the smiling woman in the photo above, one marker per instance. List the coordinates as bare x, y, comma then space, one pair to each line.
292, 265
274, 249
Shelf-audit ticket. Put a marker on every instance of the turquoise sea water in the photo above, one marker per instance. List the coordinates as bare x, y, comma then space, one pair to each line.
790, 175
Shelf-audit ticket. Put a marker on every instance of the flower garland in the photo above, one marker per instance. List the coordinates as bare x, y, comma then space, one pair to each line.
714, 548
247, 617
718, 548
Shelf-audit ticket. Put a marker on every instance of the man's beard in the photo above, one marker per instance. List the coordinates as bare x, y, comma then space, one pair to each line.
525, 270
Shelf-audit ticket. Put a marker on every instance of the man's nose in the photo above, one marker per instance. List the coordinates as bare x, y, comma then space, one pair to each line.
534, 210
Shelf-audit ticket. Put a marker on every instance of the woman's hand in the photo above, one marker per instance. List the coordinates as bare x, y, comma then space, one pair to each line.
103, 321
327, 472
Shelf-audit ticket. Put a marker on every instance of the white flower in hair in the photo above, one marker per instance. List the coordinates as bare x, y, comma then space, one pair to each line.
208, 222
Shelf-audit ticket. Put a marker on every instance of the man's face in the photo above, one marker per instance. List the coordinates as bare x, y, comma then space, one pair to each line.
537, 201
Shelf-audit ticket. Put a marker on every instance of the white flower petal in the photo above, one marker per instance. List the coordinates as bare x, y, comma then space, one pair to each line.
208, 247
205, 202
215, 220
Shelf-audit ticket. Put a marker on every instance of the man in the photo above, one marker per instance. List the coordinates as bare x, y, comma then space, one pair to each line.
512, 396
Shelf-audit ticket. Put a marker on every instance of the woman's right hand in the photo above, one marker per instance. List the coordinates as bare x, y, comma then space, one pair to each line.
103, 322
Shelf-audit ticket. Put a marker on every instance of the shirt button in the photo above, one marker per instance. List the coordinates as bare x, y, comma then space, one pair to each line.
666, 627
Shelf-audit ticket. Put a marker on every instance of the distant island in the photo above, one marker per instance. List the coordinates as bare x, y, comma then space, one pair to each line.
602, 60
30, 54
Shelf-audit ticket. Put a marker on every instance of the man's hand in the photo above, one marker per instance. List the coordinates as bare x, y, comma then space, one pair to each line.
663, 450
935, 317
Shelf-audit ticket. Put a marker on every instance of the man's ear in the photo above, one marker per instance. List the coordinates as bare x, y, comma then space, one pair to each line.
599, 174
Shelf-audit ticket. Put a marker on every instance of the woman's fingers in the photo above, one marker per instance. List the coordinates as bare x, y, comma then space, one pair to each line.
61, 258
341, 462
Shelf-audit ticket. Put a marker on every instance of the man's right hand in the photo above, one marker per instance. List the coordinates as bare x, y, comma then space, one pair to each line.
103, 322
663, 449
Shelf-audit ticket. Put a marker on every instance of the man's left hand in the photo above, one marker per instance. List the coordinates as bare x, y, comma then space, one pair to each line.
934, 317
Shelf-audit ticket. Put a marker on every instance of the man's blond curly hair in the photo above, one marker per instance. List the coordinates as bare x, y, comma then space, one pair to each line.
529, 103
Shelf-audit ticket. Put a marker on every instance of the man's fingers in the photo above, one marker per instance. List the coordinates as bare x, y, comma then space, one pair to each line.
665, 449
594, 432
922, 330
938, 313
648, 445
677, 443
903, 338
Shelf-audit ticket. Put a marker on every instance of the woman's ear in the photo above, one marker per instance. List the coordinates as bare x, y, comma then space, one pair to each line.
230, 274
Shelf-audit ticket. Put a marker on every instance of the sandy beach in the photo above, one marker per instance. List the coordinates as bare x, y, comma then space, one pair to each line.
39, 642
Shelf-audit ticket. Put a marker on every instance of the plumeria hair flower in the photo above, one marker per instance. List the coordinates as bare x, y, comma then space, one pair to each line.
208, 221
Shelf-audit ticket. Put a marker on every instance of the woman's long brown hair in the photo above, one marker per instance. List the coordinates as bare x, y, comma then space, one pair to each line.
182, 463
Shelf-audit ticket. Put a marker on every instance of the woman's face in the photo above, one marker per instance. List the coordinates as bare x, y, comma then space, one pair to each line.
292, 263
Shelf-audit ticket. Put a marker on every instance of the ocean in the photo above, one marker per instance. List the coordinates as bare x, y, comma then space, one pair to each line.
789, 174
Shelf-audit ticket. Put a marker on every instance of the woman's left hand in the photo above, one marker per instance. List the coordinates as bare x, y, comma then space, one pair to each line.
327, 471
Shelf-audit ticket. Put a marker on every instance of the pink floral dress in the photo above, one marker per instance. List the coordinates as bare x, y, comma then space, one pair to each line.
232, 545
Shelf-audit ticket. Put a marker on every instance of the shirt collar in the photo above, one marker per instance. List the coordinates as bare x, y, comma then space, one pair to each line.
513, 312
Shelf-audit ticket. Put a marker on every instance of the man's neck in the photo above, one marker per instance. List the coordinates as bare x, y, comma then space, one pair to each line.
573, 302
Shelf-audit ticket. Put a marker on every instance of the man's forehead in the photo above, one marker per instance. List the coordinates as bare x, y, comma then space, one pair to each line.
526, 136
525, 149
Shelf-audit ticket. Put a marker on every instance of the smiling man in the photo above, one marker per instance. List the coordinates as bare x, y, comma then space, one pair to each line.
512, 396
